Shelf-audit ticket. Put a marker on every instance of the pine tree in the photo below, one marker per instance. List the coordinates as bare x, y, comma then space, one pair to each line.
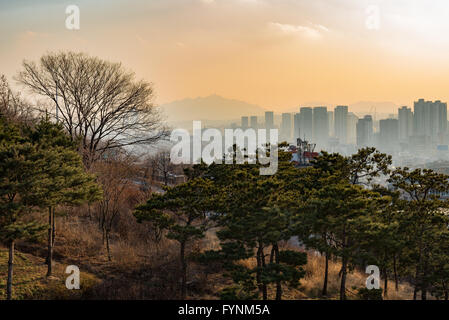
253, 217
181, 212
312, 224
384, 242
64, 180
18, 184
426, 223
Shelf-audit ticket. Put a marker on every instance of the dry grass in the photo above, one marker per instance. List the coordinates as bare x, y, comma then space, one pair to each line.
311, 285
143, 269
29, 281
139, 268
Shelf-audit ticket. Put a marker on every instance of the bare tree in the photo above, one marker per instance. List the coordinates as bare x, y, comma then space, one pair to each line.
97, 101
116, 175
12, 105
161, 167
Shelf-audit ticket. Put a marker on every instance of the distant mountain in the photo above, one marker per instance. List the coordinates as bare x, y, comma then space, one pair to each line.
371, 106
212, 107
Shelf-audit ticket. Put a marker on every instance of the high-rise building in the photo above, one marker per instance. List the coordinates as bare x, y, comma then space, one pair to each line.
405, 117
244, 122
330, 119
351, 135
269, 120
286, 127
320, 127
306, 123
430, 119
253, 122
388, 134
442, 120
421, 117
296, 126
365, 131
341, 123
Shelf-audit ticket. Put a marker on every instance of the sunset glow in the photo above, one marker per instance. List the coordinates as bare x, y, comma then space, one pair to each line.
277, 54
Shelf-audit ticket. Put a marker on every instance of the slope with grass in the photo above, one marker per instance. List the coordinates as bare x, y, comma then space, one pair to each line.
29, 280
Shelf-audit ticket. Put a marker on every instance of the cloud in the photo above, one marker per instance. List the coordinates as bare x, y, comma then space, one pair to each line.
314, 31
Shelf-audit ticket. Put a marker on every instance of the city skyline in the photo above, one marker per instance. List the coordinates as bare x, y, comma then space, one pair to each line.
421, 130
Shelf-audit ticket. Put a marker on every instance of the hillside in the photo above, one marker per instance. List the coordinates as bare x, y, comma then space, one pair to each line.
30, 281
134, 275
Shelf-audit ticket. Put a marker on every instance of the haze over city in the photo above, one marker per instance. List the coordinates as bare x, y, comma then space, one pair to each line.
276, 54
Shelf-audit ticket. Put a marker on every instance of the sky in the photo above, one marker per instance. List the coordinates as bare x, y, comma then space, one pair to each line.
279, 54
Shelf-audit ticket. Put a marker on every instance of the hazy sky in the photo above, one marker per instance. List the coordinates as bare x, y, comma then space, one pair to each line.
275, 53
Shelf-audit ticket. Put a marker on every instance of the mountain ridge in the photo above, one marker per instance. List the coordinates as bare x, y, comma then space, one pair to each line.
212, 107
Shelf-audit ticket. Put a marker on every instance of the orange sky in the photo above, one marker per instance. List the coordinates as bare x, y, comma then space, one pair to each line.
276, 53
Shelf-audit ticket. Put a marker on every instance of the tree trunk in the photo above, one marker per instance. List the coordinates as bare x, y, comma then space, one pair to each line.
416, 289
53, 224
260, 264
260, 267
424, 294
272, 254
10, 271
278, 282
108, 249
184, 271
258, 272
445, 290
424, 281
385, 284
326, 274
396, 281
343, 279
50, 242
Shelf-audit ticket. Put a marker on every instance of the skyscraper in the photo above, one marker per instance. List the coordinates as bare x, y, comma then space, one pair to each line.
286, 127
365, 131
320, 127
269, 120
388, 134
306, 123
405, 117
296, 126
442, 121
430, 119
341, 123
253, 122
244, 122
351, 135
330, 119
